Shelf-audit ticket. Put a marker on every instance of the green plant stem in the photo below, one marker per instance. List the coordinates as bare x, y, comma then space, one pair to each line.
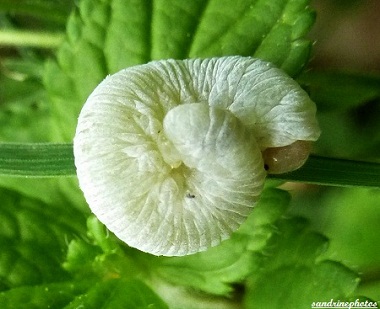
49, 160
22, 38
335, 172
37, 160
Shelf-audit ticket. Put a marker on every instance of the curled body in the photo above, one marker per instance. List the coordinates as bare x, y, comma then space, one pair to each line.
172, 155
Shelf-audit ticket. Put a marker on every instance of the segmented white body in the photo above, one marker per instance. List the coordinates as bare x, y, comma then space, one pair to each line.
169, 154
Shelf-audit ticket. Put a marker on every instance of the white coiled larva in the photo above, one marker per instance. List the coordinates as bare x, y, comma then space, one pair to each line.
169, 154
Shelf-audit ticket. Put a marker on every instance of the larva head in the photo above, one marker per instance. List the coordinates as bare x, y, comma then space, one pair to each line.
285, 159
170, 155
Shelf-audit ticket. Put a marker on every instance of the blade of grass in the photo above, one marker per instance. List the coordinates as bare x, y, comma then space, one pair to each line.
335, 172
30, 38
49, 160
37, 159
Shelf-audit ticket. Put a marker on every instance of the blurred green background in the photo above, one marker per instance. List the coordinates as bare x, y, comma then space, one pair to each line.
346, 88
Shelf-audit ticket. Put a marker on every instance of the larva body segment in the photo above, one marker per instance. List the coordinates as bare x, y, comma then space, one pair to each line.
169, 154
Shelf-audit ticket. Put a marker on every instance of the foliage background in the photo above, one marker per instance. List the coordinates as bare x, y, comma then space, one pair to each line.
51, 253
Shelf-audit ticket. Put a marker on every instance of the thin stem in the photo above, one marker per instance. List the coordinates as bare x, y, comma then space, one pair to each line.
37, 160
335, 172
49, 160
23, 38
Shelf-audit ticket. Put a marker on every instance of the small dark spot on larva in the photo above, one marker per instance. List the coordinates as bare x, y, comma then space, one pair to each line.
266, 167
189, 195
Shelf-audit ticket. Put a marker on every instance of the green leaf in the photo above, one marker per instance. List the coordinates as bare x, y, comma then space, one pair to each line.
272, 205
27, 263
102, 255
33, 239
118, 293
296, 242
114, 267
271, 30
54, 295
293, 274
370, 289
349, 112
63, 192
350, 218
339, 90
85, 260
174, 27
359, 127
106, 36
297, 287
23, 109
26, 219
81, 66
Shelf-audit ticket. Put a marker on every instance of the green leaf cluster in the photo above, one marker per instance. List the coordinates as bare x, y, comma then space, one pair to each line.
33, 239
107, 36
349, 218
295, 274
